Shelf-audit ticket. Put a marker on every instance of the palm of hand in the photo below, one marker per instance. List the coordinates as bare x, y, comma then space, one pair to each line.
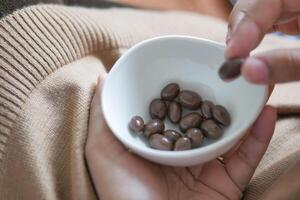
121, 175
127, 176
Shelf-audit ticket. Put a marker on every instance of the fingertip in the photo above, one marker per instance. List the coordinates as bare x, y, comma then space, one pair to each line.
255, 71
271, 112
236, 48
243, 39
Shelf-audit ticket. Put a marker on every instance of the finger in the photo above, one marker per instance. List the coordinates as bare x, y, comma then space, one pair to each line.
96, 122
241, 166
236, 16
288, 16
100, 143
276, 66
229, 153
259, 17
108, 161
234, 19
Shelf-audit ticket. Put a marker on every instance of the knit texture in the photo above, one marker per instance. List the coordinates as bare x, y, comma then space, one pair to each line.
50, 57
47, 77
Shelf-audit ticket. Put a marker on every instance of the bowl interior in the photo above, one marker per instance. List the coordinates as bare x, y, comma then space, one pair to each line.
140, 74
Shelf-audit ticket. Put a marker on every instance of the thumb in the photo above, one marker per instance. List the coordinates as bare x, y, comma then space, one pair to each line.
276, 66
100, 143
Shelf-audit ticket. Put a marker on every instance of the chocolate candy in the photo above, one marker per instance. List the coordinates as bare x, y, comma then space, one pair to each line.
231, 69
153, 126
168, 103
211, 129
158, 109
158, 141
191, 120
174, 112
196, 136
183, 143
189, 99
221, 115
207, 122
206, 109
177, 99
172, 135
136, 124
170, 92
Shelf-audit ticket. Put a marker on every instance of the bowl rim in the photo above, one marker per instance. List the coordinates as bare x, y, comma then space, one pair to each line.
238, 133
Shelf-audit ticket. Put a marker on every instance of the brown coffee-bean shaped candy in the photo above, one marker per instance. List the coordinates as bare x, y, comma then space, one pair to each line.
168, 103
160, 142
172, 135
174, 112
206, 109
136, 124
190, 120
211, 129
196, 136
231, 69
170, 91
189, 99
221, 115
183, 143
153, 126
158, 109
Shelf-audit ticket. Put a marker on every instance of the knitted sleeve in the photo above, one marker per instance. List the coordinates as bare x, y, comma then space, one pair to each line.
50, 57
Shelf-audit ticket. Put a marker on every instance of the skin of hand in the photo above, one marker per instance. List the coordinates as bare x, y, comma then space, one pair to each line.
252, 19
119, 174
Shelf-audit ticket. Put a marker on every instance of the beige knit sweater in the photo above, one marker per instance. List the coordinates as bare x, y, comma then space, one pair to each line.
50, 57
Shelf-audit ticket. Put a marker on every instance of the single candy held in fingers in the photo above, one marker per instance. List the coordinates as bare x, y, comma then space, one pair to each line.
231, 69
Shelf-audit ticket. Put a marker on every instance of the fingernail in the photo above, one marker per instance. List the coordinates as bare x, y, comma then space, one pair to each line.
238, 18
255, 70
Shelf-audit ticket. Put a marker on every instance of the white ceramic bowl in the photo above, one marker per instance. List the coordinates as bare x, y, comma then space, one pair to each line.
140, 74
